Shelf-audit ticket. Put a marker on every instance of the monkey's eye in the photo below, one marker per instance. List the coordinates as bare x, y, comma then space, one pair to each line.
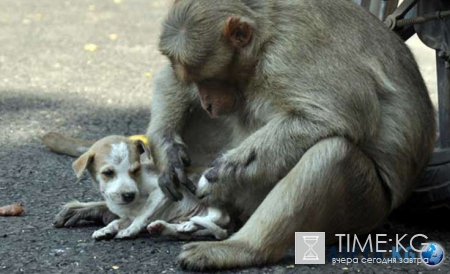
206, 82
213, 81
108, 173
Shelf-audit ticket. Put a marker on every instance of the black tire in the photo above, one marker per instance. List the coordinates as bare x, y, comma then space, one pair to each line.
435, 188
432, 196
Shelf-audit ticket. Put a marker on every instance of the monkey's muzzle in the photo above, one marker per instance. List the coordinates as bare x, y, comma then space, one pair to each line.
217, 97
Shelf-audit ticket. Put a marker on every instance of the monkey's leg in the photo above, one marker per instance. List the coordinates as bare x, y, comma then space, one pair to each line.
334, 188
73, 212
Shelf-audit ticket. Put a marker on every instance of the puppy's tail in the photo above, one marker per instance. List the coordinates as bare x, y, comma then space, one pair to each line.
66, 145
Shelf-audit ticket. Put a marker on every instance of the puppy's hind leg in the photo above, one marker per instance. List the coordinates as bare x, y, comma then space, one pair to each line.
163, 228
73, 212
212, 223
334, 188
187, 227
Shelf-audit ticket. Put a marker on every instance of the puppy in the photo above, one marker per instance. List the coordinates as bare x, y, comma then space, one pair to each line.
130, 188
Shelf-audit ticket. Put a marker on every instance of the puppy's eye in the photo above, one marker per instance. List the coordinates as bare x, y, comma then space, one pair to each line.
108, 173
136, 170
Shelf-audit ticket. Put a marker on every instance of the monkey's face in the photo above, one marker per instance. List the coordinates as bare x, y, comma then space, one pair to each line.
217, 95
205, 52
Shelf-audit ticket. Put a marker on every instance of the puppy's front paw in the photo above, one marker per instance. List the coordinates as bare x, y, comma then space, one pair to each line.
210, 193
204, 187
103, 234
129, 233
156, 228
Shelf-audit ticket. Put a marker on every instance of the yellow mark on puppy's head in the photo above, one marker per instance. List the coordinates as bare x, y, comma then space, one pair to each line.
141, 138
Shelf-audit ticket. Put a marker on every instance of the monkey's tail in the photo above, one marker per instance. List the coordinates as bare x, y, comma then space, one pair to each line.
66, 145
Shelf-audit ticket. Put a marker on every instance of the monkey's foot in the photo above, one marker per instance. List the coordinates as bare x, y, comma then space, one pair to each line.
218, 255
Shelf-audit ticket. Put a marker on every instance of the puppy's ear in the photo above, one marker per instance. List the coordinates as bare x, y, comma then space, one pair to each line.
143, 148
80, 165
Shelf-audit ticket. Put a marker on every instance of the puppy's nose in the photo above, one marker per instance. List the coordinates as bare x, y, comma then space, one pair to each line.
128, 197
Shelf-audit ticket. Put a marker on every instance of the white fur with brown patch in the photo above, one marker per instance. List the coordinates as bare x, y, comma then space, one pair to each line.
120, 184
116, 156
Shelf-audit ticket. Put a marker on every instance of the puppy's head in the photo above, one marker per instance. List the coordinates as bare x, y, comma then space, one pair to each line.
114, 165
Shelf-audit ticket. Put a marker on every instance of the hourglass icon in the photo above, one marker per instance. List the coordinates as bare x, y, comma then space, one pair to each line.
310, 241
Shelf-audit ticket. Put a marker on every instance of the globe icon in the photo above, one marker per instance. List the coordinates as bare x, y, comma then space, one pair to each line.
432, 254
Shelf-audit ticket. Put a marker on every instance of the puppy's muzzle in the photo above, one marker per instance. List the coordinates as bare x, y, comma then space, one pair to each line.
128, 197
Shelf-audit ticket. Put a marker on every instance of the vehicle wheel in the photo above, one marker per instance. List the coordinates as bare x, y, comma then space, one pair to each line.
433, 193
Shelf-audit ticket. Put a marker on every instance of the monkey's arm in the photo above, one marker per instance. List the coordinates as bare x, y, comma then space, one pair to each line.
264, 157
170, 109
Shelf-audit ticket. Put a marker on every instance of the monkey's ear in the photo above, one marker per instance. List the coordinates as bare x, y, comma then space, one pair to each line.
143, 148
238, 31
80, 165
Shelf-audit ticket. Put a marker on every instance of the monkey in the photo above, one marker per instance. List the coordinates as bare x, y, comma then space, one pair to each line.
335, 124
333, 130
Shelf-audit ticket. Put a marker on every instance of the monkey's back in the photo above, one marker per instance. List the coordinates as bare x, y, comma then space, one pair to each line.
346, 69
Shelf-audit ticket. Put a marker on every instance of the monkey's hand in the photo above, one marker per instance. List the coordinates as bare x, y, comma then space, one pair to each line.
214, 187
174, 174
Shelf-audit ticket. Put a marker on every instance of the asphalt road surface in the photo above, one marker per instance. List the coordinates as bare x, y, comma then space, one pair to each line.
84, 68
